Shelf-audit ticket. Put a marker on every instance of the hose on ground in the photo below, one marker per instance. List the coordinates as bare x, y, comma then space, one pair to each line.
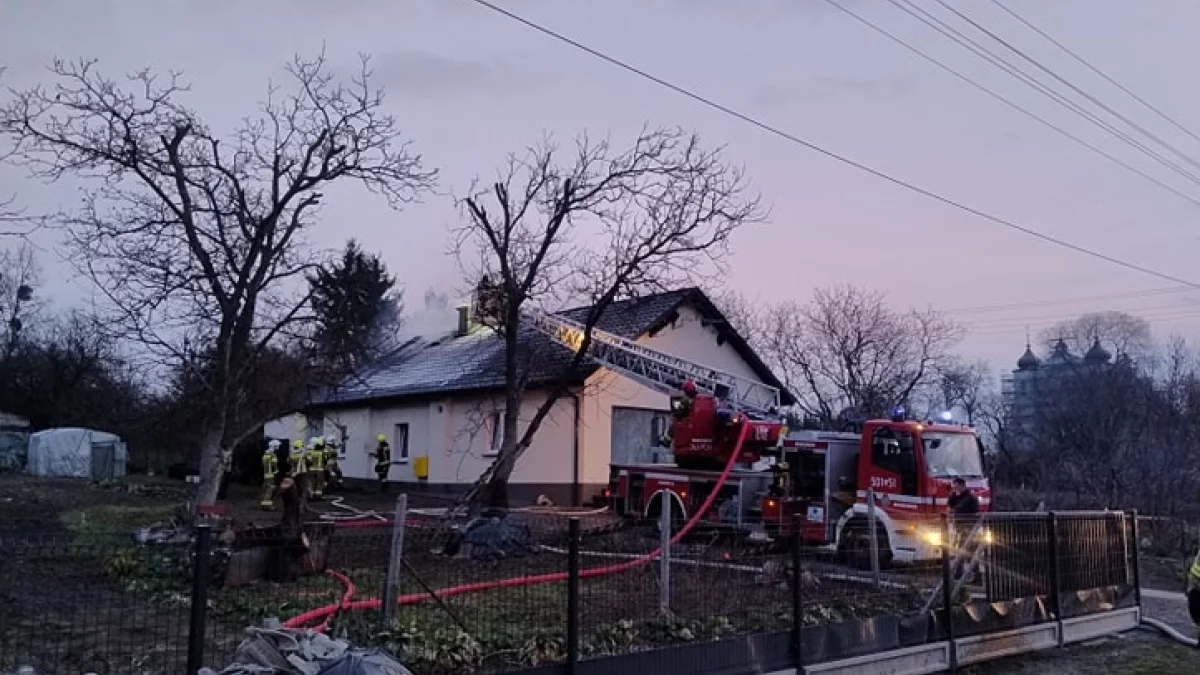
1155, 624
324, 614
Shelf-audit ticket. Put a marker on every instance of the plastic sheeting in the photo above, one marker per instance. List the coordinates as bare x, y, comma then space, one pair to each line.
275, 651
76, 453
494, 536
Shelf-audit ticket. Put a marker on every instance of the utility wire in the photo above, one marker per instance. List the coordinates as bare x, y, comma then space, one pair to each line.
991, 92
999, 322
983, 309
1011, 12
972, 45
1039, 65
997, 220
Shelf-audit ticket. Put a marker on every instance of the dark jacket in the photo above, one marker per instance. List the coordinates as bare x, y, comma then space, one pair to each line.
965, 504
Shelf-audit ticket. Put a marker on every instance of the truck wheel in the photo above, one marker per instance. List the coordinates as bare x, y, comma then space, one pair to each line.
856, 546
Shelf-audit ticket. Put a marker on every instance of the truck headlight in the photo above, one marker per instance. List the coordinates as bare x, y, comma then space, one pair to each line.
988, 537
932, 537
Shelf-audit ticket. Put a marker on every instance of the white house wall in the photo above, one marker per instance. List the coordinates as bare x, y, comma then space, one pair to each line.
456, 435
687, 338
467, 446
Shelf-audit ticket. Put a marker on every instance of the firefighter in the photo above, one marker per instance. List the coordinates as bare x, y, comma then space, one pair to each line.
270, 462
383, 460
1193, 593
333, 472
315, 461
296, 459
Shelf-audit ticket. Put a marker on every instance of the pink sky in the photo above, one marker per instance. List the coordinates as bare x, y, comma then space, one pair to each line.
471, 86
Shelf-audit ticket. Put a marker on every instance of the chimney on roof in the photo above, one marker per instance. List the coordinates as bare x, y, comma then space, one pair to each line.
464, 320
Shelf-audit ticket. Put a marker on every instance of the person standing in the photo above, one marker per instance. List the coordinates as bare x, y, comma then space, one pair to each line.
1193, 594
270, 462
383, 460
315, 460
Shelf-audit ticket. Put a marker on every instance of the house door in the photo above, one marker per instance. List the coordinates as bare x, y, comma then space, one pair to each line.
104, 456
636, 433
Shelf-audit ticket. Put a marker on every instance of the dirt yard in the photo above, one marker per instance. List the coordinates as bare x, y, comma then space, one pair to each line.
77, 594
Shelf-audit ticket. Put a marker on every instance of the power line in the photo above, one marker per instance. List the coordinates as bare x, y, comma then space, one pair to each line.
1038, 64
940, 64
1011, 12
999, 322
997, 220
982, 309
970, 44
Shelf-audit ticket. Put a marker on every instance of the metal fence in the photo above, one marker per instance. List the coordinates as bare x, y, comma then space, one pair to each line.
538, 590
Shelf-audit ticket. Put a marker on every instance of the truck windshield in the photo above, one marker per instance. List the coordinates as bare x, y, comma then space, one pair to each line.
948, 455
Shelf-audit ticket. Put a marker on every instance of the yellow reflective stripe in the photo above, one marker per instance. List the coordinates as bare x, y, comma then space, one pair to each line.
1195, 571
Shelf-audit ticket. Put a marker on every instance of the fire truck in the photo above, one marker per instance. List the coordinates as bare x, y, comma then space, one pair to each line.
895, 472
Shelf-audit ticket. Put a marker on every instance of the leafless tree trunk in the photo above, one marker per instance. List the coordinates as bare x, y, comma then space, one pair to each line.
594, 224
194, 237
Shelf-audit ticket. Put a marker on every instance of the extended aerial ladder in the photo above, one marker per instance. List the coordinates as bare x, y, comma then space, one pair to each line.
651, 368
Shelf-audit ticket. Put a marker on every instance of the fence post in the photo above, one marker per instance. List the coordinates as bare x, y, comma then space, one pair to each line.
664, 559
873, 539
1055, 572
1137, 558
199, 617
798, 592
572, 595
948, 589
391, 585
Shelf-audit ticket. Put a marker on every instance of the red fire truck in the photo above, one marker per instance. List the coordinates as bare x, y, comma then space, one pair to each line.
823, 477
828, 479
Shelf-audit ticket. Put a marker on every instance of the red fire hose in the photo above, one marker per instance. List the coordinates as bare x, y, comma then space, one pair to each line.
325, 614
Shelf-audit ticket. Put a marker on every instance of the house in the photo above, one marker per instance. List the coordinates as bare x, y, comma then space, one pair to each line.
442, 398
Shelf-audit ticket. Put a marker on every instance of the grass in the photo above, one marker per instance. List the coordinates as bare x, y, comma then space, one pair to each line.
1130, 654
101, 525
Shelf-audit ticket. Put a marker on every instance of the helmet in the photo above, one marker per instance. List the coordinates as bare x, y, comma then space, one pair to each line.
382, 438
314, 441
689, 388
319, 441
273, 445
298, 444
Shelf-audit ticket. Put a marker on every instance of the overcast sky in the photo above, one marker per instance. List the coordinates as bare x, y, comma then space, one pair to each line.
471, 85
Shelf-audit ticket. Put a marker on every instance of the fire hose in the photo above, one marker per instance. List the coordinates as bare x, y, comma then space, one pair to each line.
325, 614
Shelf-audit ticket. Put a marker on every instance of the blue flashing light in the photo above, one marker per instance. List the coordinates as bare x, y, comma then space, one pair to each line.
946, 416
899, 414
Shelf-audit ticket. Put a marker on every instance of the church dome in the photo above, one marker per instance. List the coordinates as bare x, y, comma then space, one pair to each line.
1028, 360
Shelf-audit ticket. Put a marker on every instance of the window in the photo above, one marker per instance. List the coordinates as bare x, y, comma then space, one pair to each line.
892, 450
400, 443
497, 439
949, 455
658, 429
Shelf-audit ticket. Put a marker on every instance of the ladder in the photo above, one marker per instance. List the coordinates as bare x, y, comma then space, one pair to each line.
649, 367
655, 370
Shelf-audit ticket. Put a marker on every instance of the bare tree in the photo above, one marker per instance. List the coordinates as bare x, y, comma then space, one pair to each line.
1120, 332
593, 223
20, 273
964, 386
849, 349
197, 238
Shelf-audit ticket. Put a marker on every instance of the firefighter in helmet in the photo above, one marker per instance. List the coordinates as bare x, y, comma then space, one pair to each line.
333, 472
1193, 592
315, 461
383, 460
296, 459
270, 463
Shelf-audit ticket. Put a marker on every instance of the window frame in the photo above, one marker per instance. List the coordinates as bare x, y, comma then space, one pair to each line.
400, 450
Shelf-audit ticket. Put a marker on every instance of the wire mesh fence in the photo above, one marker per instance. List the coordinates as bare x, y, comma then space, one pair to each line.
525, 591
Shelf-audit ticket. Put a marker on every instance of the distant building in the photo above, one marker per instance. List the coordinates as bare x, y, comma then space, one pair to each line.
1035, 381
